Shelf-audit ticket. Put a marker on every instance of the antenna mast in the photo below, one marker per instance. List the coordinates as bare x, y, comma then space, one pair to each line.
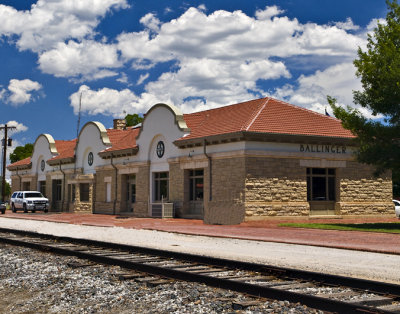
79, 115
77, 127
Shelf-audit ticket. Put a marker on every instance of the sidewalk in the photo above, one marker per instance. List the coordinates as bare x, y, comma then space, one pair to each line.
262, 231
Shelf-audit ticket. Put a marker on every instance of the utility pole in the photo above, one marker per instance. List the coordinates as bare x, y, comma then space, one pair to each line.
4, 144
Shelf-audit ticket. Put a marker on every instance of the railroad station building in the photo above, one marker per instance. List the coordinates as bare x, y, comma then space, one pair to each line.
249, 161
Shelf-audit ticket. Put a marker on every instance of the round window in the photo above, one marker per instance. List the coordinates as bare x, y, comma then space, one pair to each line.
42, 165
160, 149
90, 159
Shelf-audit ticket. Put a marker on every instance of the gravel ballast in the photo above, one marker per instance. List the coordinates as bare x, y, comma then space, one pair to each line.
37, 282
367, 265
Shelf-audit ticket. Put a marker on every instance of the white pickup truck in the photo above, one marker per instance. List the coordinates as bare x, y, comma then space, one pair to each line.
29, 200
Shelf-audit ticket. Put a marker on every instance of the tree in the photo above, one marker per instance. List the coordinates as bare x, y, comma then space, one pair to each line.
133, 119
21, 152
8, 187
378, 68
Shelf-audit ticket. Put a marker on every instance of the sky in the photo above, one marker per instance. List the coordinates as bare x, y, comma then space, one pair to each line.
124, 56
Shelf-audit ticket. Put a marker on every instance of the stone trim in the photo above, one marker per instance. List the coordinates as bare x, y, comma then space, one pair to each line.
322, 163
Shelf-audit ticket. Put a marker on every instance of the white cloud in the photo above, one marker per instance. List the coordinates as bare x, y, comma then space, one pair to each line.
348, 25
20, 127
150, 21
268, 12
221, 56
142, 78
338, 81
20, 91
104, 101
50, 22
88, 59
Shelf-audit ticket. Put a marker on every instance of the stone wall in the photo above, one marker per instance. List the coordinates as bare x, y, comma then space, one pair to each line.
228, 192
360, 193
83, 206
275, 187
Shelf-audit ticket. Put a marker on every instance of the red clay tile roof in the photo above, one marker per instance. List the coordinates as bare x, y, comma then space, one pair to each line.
65, 149
22, 162
122, 139
265, 115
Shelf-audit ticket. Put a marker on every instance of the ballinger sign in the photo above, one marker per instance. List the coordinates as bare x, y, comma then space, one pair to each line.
312, 148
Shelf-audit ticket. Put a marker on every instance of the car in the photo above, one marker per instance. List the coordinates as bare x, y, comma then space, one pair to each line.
397, 208
3, 207
28, 200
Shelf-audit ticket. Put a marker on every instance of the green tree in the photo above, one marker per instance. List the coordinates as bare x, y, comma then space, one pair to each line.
21, 152
133, 119
379, 70
8, 187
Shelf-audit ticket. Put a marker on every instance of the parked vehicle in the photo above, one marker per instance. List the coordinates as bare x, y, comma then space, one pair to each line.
29, 200
397, 208
2, 207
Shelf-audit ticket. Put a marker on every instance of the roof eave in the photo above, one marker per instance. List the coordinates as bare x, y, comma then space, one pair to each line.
66, 160
19, 167
118, 153
263, 137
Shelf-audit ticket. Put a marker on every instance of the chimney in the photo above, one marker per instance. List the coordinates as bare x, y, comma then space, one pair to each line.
119, 124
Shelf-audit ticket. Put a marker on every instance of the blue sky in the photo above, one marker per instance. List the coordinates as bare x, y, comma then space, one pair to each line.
125, 56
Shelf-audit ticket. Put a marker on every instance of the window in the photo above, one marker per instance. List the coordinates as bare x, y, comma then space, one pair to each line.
161, 186
84, 192
108, 192
196, 185
57, 189
321, 184
42, 187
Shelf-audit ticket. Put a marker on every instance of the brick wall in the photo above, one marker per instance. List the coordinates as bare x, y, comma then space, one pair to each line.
177, 187
142, 192
228, 192
101, 206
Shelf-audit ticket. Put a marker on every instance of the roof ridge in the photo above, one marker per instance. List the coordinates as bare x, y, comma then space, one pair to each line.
306, 109
257, 114
217, 108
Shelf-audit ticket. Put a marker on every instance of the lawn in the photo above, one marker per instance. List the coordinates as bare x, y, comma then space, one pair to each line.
372, 227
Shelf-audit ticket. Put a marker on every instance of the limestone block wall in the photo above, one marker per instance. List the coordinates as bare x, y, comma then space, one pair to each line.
275, 187
360, 193
84, 206
228, 191
142, 192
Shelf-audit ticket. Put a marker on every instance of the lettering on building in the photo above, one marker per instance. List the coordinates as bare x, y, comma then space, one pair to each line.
316, 148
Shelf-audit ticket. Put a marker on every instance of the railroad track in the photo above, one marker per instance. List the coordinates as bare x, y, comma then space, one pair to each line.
316, 290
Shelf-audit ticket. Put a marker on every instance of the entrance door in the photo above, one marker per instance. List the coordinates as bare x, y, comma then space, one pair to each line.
130, 192
321, 190
196, 193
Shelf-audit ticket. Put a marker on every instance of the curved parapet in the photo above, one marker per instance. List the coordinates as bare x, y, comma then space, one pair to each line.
50, 140
102, 130
179, 120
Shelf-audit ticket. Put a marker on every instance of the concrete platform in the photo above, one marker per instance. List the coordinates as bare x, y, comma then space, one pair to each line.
267, 231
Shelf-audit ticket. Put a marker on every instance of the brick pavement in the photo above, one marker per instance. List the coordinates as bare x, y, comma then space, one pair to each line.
261, 231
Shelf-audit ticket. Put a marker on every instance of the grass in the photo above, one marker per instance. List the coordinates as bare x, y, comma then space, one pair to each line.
370, 227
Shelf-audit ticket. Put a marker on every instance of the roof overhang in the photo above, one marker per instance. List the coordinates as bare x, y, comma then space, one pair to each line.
119, 153
19, 167
263, 137
62, 161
